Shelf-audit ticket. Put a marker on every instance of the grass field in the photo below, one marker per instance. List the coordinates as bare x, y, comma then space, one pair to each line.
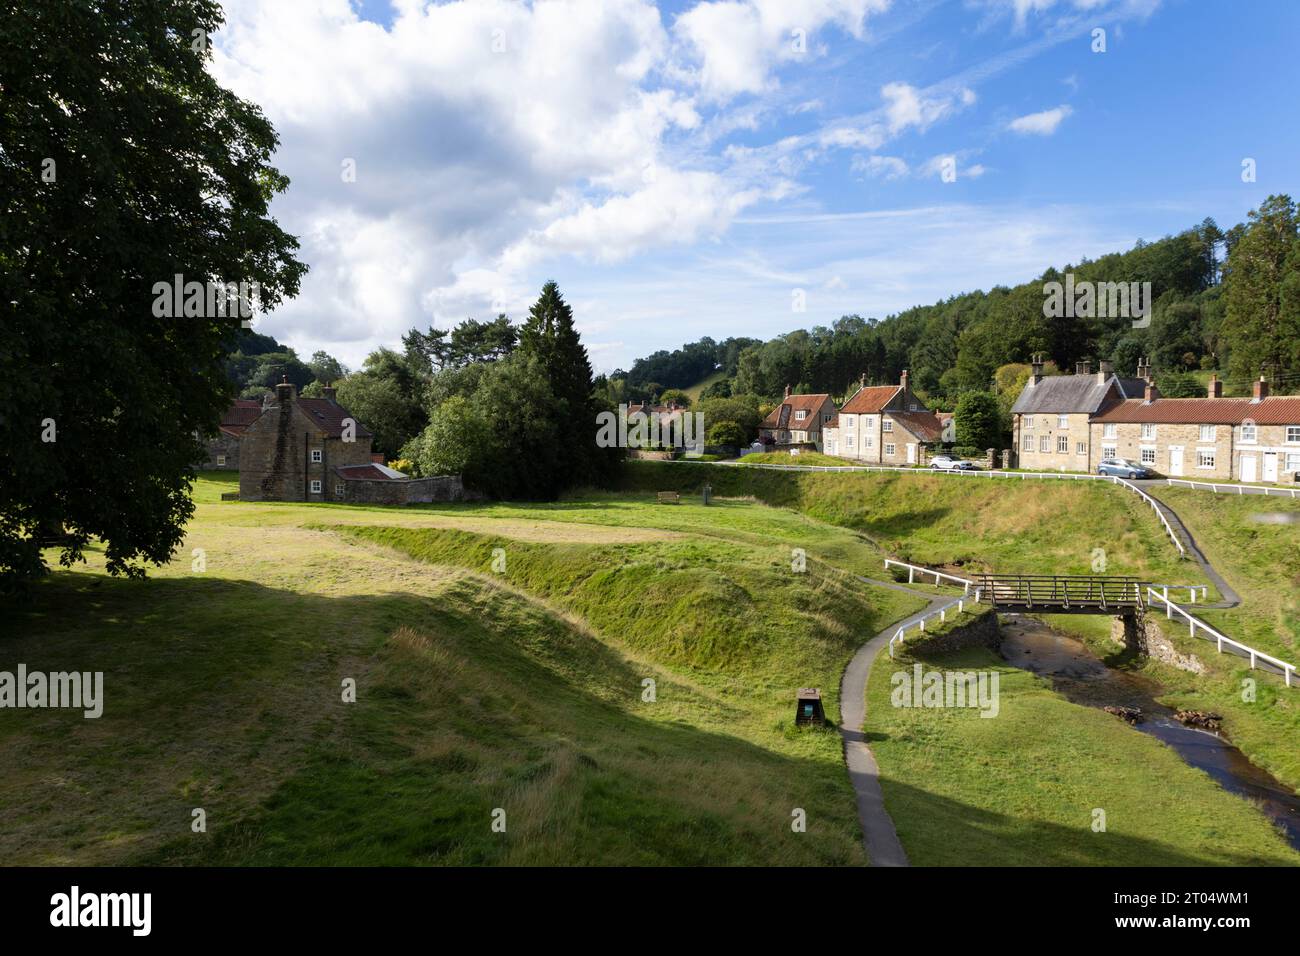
522, 688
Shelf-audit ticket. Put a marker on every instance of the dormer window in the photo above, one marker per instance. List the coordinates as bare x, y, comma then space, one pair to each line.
800, 415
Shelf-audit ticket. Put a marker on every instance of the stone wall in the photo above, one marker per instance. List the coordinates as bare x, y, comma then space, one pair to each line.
1143, 634
408, 492
1047, 425
980, 630
1128, 443
222, 445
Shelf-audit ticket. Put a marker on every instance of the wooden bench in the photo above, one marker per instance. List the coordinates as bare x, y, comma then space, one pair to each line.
669, 498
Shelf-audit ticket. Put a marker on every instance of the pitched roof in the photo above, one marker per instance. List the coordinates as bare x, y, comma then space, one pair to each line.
783, 415
870, 399
241, 413
329, 416
1274, 410
1064, 394
924, 425
368, 473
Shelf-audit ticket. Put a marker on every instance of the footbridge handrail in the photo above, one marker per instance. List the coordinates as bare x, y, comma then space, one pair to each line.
1195, 623
941, 613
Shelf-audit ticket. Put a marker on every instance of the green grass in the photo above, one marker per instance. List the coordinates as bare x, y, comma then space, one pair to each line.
695, 390
803, 458
1020, 788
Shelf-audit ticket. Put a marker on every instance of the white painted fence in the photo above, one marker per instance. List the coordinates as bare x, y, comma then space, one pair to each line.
941, 613
914, 569
1195, 623
1238, 489
1065, 475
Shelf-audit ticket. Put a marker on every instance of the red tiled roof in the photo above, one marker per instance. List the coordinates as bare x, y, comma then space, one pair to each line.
867, 401
329, 416
241, 413
783, 415
924, 425
1274, 410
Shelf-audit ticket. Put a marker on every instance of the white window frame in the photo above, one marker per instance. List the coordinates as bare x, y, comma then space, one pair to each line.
1293, 461
1108, 430
1109, 452
1062, 421
315, 486
316, 456
889, 450
1293, 434
1062, 444
221, 461
340, 489
1029, 442
1044, 444
1205, 458
1148, 431
1081, 448
848, 441
800, 414
887, 425
1249, 434
869, 442
1147, 454
1207, 433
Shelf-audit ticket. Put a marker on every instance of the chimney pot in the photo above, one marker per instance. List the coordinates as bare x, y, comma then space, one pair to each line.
787, 391
1261, 390
902, 379
328, 391
285, 392
1215, 389
1083, 368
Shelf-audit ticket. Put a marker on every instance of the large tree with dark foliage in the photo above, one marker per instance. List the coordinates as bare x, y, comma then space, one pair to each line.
122, 164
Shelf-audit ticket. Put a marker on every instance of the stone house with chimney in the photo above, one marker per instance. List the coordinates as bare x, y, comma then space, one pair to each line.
883, 425
798, 420
1051, 419
223, 448
312, 449
1254, 439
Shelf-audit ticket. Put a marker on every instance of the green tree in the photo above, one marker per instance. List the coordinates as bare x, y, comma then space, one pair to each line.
675, 396
977, 420
1179, 385
1262, 323
726, 433
123, 163
326, 368
386, 396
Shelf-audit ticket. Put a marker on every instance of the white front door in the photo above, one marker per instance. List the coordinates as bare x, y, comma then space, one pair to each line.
1270, 466
1175, 459
911, 454
1248, 468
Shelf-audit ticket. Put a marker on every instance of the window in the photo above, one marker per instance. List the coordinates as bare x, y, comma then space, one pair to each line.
889, 450
1108, 452
1062, 445
1207, 433
1148, 431
315, 486
869, 442
848, 441
315, 455
913, 407
1081, 448
1062, 421
848, 422
221, 461
1108, 431
1148, 455
887, 425
1293, 461
339, 489
800, 415
1029, 443
1029, 423
1248, 432
1044, 444
1205, 458
1292, 433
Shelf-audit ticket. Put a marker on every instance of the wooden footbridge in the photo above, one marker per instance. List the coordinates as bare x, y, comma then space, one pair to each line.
1061, 593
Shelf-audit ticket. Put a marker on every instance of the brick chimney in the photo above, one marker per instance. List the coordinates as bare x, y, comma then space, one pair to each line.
1104, 371
1261, 390
328, 392
902, 379
862, 382
1215, 389
1151, 393
787, 391
1144, 369
285, 392
1083, 368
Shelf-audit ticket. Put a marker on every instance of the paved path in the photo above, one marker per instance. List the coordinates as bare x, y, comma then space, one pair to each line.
1230, 597
878, 834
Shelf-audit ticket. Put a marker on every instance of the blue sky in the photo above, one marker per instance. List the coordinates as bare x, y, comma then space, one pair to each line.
701, 168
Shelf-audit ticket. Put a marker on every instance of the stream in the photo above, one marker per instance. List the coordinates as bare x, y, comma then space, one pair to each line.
1082, 678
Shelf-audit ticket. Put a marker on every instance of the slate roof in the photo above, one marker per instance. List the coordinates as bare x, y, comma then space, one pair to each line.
1073, 394
369, 473
328, 417
1274, 410
241, 413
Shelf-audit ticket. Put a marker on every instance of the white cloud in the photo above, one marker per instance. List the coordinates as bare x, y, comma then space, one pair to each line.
1040, 124
884, 167
906, 106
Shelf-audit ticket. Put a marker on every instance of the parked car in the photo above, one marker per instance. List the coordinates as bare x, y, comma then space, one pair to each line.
948, 463
1123, 468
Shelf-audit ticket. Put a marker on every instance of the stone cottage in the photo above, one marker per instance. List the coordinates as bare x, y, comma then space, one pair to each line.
312, 449
1052, 416
798, 420
223, 449
883, 425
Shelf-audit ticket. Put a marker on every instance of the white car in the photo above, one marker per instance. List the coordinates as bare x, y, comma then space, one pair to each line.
948, 463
